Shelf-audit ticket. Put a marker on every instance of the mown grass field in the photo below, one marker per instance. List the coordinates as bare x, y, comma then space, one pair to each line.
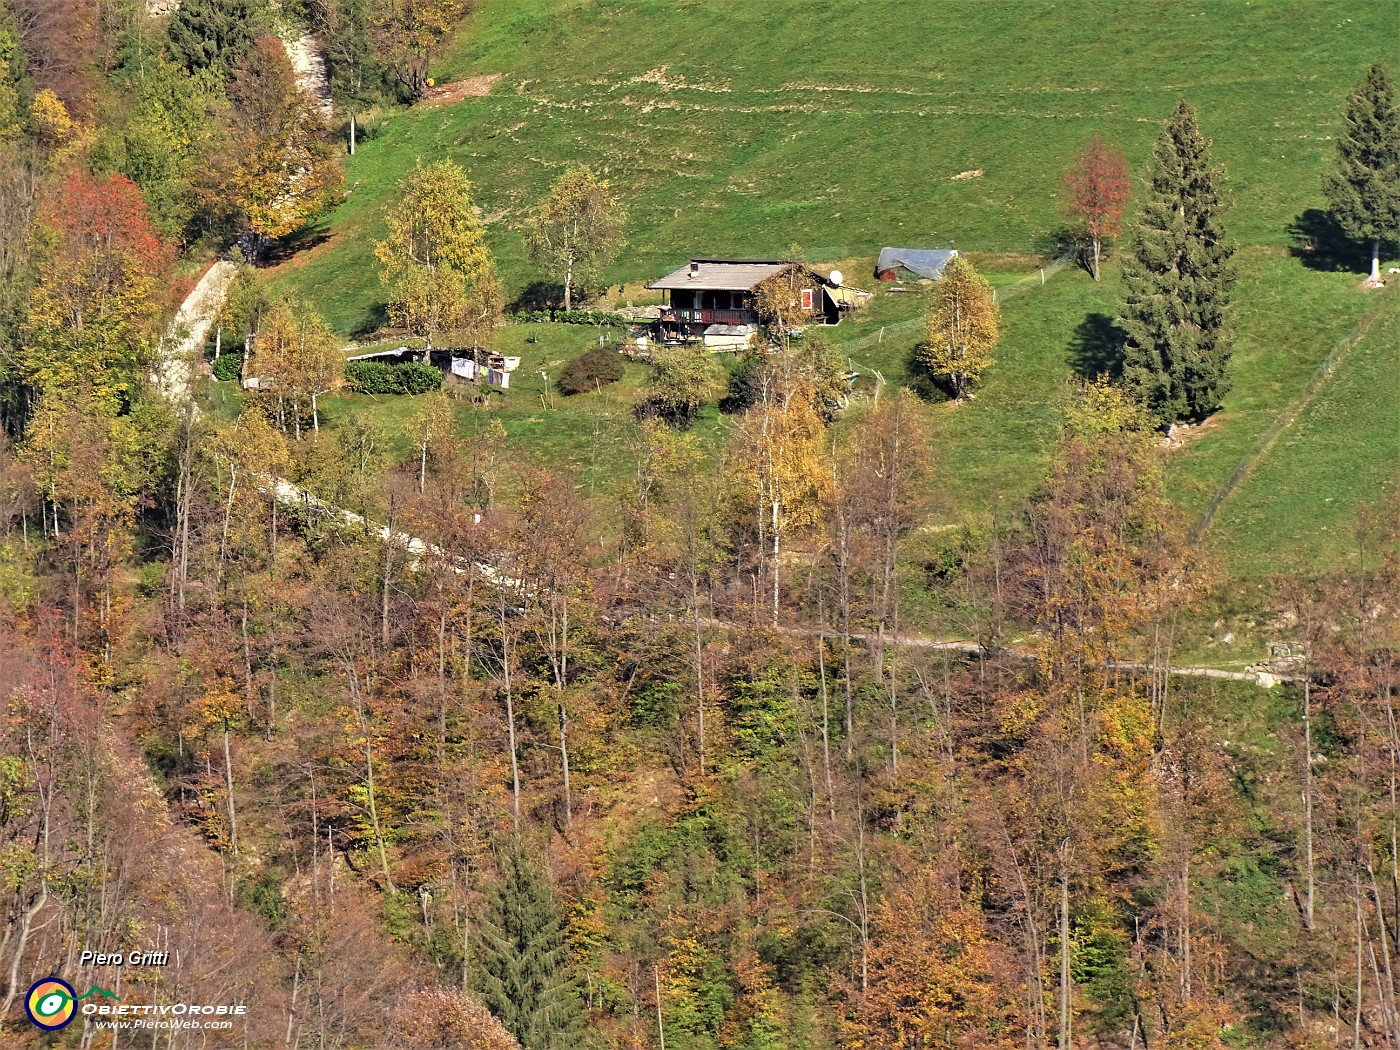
731, 128
1297, 508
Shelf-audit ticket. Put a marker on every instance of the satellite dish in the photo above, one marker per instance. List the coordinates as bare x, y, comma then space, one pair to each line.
836, 278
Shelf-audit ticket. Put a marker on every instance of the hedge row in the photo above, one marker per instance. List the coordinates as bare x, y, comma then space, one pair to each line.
593, 317
377, 377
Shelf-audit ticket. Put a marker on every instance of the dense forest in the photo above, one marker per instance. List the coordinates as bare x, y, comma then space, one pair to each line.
454, 749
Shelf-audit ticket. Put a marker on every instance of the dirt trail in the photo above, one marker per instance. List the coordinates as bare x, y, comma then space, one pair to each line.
174, 374
444, 94
1263, 679
184, 340
310, 67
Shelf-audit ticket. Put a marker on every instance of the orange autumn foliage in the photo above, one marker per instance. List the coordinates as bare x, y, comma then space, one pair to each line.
936, 978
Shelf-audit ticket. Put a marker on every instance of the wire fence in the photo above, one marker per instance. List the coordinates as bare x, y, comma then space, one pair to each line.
999, 295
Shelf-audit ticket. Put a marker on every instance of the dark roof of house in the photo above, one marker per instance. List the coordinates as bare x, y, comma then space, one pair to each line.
720, 275
926, 262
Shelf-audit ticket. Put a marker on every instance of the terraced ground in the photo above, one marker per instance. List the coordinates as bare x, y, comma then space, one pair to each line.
738, 128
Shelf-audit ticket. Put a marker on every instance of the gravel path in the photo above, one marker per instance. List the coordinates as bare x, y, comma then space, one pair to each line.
310, 67
184, 340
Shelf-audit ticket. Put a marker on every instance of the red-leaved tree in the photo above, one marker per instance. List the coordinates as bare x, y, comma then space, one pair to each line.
1098, 190
93, 312
102, 215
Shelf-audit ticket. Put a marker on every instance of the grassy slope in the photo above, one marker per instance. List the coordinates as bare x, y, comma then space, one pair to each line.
1297, 507
783, 128
734, 127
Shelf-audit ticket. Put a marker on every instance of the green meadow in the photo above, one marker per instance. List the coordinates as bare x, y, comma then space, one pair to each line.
736, 128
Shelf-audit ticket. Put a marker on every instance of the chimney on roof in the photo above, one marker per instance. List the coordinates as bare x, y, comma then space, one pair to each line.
694, 269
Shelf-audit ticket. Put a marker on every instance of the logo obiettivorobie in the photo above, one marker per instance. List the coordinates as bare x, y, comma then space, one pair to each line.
52, 1004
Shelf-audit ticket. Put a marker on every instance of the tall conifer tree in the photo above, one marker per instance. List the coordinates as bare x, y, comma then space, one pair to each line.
1176, 305
1364, 190
524, 979
214, 34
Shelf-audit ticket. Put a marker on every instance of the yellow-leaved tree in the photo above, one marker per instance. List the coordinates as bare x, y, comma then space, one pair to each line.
434, 262
296, 354
775, 465
279, 171
432, 429
247, 459
962, 328
407, 35
936, 977
577, 229
86, 460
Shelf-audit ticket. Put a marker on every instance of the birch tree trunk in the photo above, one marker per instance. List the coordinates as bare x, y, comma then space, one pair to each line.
228, 786
1066, 1012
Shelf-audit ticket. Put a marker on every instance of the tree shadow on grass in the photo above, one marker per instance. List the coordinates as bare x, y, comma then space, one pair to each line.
1320, 244
1066, 240
373, 319
925, 385
537, 295
278, 252
1097, 348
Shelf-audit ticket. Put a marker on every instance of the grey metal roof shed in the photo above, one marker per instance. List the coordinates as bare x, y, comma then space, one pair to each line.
923, 262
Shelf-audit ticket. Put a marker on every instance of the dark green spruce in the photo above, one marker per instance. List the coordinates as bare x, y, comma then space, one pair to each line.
213, 34
1177, 281
1363, 190
523, 974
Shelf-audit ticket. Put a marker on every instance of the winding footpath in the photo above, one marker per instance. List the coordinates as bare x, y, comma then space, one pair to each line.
175, 377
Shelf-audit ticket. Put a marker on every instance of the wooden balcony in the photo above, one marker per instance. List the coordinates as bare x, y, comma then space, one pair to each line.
687, 315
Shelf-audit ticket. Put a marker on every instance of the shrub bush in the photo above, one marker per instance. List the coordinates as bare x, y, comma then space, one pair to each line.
598, 367
745, 383
227, 366
593, 317
379, 377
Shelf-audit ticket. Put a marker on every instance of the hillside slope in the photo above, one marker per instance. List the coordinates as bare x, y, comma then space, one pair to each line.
731, 128
726, 129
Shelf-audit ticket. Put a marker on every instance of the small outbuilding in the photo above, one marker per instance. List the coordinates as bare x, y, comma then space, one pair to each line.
729, 337
920, 263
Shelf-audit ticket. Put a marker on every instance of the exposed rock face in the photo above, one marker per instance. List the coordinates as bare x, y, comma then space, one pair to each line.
310, 67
